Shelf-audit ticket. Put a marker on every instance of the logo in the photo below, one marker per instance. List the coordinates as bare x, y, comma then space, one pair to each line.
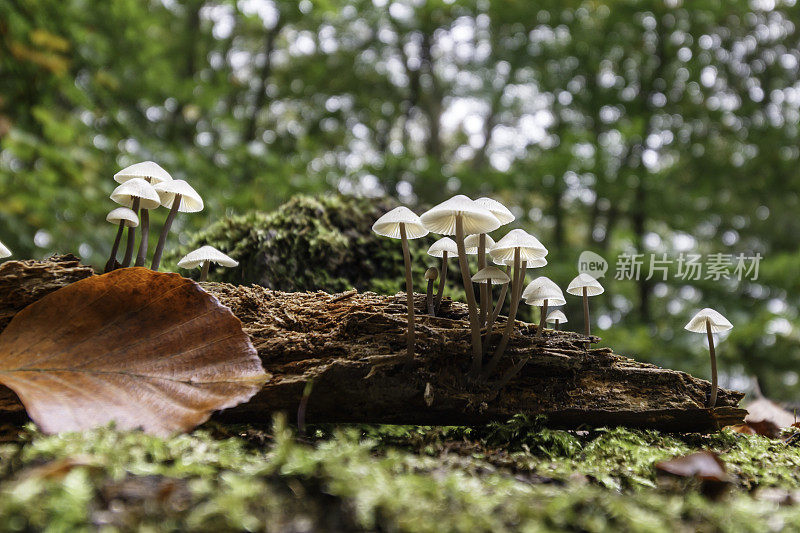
592, 264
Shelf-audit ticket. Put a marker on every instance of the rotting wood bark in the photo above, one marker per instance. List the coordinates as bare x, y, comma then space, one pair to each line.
352, 346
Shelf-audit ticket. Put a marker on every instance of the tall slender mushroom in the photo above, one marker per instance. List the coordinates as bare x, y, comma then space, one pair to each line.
522, 247
485, 243
203, 257
443, 248
177, 195
460, 216
490, 276
4, 251
585, 285
557, 317
135, 193
402, 223
153, 174
543, 292
430, 276
709, 321
478, 245
124, 217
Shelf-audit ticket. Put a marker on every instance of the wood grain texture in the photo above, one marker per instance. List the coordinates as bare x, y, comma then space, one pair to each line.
352, 346
143, 349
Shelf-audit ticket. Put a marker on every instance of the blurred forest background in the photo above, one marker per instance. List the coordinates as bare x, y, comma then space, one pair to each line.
629, 126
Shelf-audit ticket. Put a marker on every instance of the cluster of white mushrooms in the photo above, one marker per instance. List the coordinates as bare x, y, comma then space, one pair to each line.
470, 222
145, 186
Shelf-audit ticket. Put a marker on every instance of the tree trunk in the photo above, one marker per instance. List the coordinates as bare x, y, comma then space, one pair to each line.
353, 347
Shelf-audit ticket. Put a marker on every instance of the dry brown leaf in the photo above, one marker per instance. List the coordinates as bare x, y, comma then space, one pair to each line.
763, 409
136, 347
702, 465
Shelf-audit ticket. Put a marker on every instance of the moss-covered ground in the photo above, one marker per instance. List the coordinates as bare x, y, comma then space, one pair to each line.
506, 477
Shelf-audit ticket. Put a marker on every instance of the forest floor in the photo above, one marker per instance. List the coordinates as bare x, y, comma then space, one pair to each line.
517, 476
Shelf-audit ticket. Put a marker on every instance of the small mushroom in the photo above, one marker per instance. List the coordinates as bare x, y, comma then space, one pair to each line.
177, 195
485, 243
543, 292
536, 263
709, 321
135, 193
460, 216
4, 251
204, 256
442, 248
557, 317
585, 285
402, 223
491, 276
522, 247
478, 245
431, 274
153, 174
125, 218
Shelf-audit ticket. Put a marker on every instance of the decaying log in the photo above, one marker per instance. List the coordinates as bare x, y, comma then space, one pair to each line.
352, 346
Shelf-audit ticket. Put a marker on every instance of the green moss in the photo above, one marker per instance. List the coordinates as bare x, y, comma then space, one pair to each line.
311, 243
504, 477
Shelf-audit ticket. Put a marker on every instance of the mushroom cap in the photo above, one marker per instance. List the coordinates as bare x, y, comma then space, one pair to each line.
206, 253
123, 213
389, 224
576, 286
718, 322
145, 170
136, 188
442, 218
190, 200
533, 263
4, 251
445, 244
432, 273
490, 273
556, 315
500, 211
471, 243
541, 289
529, 247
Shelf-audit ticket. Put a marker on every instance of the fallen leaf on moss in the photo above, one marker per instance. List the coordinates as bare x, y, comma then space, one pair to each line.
135, 347
765, 428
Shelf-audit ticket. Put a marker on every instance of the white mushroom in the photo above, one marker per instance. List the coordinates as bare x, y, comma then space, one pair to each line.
443, 248
135, 193
557, 317
402, 223
460, 216
543, 292
430, 276
585, 285
491, 276
153, 174
4, 251
709, 321
520, 246
485, 243
124, 217
177, 195
204, 256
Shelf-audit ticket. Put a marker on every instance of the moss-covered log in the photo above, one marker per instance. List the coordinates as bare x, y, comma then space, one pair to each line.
352, 347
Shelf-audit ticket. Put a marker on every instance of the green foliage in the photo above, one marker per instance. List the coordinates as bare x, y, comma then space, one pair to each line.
347, 480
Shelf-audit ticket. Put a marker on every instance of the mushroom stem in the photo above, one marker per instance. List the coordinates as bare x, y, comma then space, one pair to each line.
162, 239
144, 241
409, 290
429, 298
540, 329
502, 298
440, 291
484, 286
556, 326
126, 261
204, 272
712, 401
113, 259
587, 328
477, 351
512, 313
